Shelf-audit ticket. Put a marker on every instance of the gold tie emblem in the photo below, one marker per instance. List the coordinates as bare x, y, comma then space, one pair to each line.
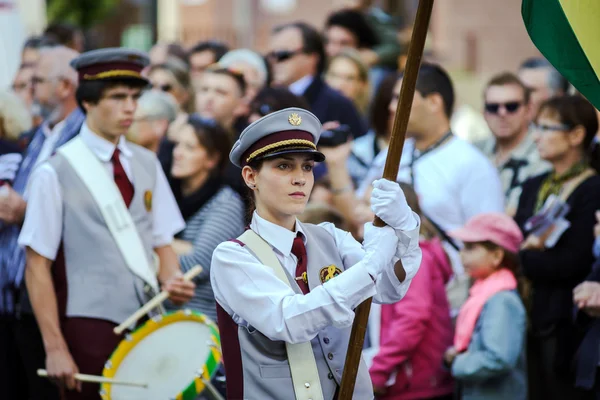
303, 277
295, 119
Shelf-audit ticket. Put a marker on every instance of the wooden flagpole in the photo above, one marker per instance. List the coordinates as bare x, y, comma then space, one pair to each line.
392, 164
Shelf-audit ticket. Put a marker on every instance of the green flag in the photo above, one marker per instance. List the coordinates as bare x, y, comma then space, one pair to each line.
567, 33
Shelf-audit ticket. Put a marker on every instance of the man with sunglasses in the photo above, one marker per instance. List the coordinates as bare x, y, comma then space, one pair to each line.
297, 57
511, 148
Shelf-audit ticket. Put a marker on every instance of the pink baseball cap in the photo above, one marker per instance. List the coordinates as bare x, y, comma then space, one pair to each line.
497, 228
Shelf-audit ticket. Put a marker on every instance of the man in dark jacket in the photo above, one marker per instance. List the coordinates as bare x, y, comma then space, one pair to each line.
297, 56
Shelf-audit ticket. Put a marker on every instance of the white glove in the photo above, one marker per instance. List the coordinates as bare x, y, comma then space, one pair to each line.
389, 204
380, 247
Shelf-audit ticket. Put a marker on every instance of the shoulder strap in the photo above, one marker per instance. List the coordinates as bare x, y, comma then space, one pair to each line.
113, 208
570, 186
303, 367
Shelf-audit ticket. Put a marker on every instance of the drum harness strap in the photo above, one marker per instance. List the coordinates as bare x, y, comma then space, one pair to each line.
108, 198
303, 367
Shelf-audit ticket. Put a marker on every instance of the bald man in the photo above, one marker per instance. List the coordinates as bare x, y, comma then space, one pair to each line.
54, 87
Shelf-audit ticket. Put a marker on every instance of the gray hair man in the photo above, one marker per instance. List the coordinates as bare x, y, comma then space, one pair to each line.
251, 65
542, 80
54, 87
55, 83
155, 112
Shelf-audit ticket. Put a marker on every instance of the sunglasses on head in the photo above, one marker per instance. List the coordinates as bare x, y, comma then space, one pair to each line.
510, 107
283, 55
218, 68
165, 88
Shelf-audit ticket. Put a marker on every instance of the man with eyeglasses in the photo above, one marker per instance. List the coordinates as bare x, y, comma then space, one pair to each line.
297, 56
54, 84
511, 148
22, 85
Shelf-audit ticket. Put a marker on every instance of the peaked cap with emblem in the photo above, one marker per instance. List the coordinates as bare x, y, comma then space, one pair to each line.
110, 64
291, 130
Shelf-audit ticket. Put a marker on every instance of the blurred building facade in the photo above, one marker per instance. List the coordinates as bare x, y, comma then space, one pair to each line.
473, 39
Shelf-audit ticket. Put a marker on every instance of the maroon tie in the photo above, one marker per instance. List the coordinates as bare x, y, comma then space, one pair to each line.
299, 250
123, 183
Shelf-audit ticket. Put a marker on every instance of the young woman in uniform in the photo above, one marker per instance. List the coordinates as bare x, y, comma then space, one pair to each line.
286, 291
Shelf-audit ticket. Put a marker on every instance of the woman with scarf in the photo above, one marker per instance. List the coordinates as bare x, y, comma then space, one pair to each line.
564, 130
213, 212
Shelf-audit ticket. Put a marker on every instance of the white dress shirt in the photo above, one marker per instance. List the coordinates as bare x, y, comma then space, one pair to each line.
255, 297
42, 228
454, 181
300, 86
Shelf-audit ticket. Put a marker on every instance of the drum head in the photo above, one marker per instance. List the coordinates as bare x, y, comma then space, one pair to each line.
169, 354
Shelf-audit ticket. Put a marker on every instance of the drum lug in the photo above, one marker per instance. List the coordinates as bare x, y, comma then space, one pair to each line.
157, 318
212, 345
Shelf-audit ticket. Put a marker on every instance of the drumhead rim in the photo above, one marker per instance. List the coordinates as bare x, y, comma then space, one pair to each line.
149, 327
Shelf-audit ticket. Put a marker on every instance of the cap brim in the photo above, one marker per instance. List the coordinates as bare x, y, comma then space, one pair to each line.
316, 155
141, 80
468, 235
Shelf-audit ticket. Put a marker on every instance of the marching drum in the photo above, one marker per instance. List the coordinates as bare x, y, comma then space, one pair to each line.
175, 354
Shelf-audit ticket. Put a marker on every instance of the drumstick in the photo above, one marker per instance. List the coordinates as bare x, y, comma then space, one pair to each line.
156, 300
96, 379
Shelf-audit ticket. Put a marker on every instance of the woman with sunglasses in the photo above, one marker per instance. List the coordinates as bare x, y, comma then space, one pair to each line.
564, 130
286, 291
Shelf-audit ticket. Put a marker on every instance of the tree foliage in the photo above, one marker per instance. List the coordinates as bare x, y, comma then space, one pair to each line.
83, 13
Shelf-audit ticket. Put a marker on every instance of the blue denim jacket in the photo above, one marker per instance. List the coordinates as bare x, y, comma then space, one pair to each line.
493, 367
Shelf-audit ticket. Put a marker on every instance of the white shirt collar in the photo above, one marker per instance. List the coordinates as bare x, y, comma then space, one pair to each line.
277, 236
102, 147
300, 86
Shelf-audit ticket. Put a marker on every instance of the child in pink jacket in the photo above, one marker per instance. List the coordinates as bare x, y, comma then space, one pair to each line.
417, 330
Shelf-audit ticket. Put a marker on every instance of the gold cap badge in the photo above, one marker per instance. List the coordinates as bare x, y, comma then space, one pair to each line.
295, 119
